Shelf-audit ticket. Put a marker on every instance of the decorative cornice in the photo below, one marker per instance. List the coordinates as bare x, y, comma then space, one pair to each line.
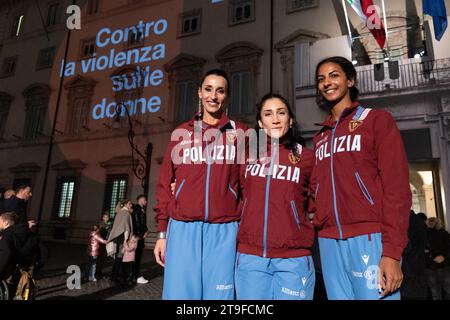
28, 167
36, 89
80, 81
74, 164
301, 35
237, 50
120, 161
184, 60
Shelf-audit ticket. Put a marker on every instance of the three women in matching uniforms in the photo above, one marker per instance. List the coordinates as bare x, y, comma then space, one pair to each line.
356, 179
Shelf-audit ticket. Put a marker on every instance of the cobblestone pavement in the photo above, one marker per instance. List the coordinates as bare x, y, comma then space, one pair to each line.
52, 279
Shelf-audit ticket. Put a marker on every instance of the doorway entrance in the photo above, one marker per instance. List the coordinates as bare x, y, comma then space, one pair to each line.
425, 186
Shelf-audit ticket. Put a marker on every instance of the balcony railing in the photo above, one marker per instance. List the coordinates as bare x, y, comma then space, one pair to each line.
411, 75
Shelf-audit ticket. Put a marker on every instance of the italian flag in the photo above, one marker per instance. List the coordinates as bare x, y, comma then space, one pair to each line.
366, 10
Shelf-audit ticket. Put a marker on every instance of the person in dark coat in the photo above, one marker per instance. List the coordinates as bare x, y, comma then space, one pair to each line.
31, 248
139, 218
18, 203
9, 253
438, 251
105, 225
414, 286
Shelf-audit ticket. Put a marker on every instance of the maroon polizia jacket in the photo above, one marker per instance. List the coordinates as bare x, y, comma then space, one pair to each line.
274, 220
206, 174
361, 179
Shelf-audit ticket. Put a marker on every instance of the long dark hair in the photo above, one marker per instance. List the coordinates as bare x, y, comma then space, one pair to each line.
350, 73
292, 136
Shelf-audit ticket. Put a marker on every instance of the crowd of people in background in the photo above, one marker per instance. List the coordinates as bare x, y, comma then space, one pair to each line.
426, 260
122, 239
21, 251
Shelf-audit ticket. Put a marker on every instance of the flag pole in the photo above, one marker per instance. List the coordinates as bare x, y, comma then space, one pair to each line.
348, 23
386, 28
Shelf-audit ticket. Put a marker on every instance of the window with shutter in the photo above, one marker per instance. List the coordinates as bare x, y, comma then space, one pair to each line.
115, 191
64, 199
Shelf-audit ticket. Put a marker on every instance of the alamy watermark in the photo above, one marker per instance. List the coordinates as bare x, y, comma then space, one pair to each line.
74, 280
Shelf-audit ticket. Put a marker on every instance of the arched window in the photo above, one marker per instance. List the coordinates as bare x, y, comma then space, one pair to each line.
129, 90
36, 124
185, 72
80, 93
242, 62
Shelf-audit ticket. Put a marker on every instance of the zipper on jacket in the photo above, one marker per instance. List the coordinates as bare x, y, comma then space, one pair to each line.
179, 189
232, 191
363, 188
294, 210
316, 192
333, 185
266, 205
208, 175
207, 183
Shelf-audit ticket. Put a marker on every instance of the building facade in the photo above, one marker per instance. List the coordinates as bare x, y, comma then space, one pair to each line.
63, 130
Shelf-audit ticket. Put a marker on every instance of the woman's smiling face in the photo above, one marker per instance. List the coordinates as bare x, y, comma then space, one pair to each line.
333, 83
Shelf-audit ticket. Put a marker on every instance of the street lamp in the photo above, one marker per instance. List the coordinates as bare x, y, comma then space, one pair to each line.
140, 162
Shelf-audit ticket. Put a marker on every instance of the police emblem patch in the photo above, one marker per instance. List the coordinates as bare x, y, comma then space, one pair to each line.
354, 124
231, 136
294, 159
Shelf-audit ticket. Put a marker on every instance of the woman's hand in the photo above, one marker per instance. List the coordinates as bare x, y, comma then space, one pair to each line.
160, 252
390, 276
172, 187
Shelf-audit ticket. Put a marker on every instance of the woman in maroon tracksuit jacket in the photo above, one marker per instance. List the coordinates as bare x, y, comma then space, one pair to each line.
275, 235
197, 225
361, 190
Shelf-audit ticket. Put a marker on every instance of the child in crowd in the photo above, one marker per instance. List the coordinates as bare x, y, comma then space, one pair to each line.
106, 225
129, 254
95, 240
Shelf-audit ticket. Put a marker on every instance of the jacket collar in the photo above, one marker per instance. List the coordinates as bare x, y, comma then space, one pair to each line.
223, 124
330, 123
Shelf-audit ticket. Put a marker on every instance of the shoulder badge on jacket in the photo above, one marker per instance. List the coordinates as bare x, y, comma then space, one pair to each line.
358, 119
231, 134
295, 158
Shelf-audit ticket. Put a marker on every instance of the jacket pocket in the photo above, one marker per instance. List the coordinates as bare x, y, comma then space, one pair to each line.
294, 211
179, 189
363, 188
232, 191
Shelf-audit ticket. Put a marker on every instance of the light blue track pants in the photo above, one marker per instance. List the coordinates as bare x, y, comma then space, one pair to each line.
259, 278
350, 267
199, 262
